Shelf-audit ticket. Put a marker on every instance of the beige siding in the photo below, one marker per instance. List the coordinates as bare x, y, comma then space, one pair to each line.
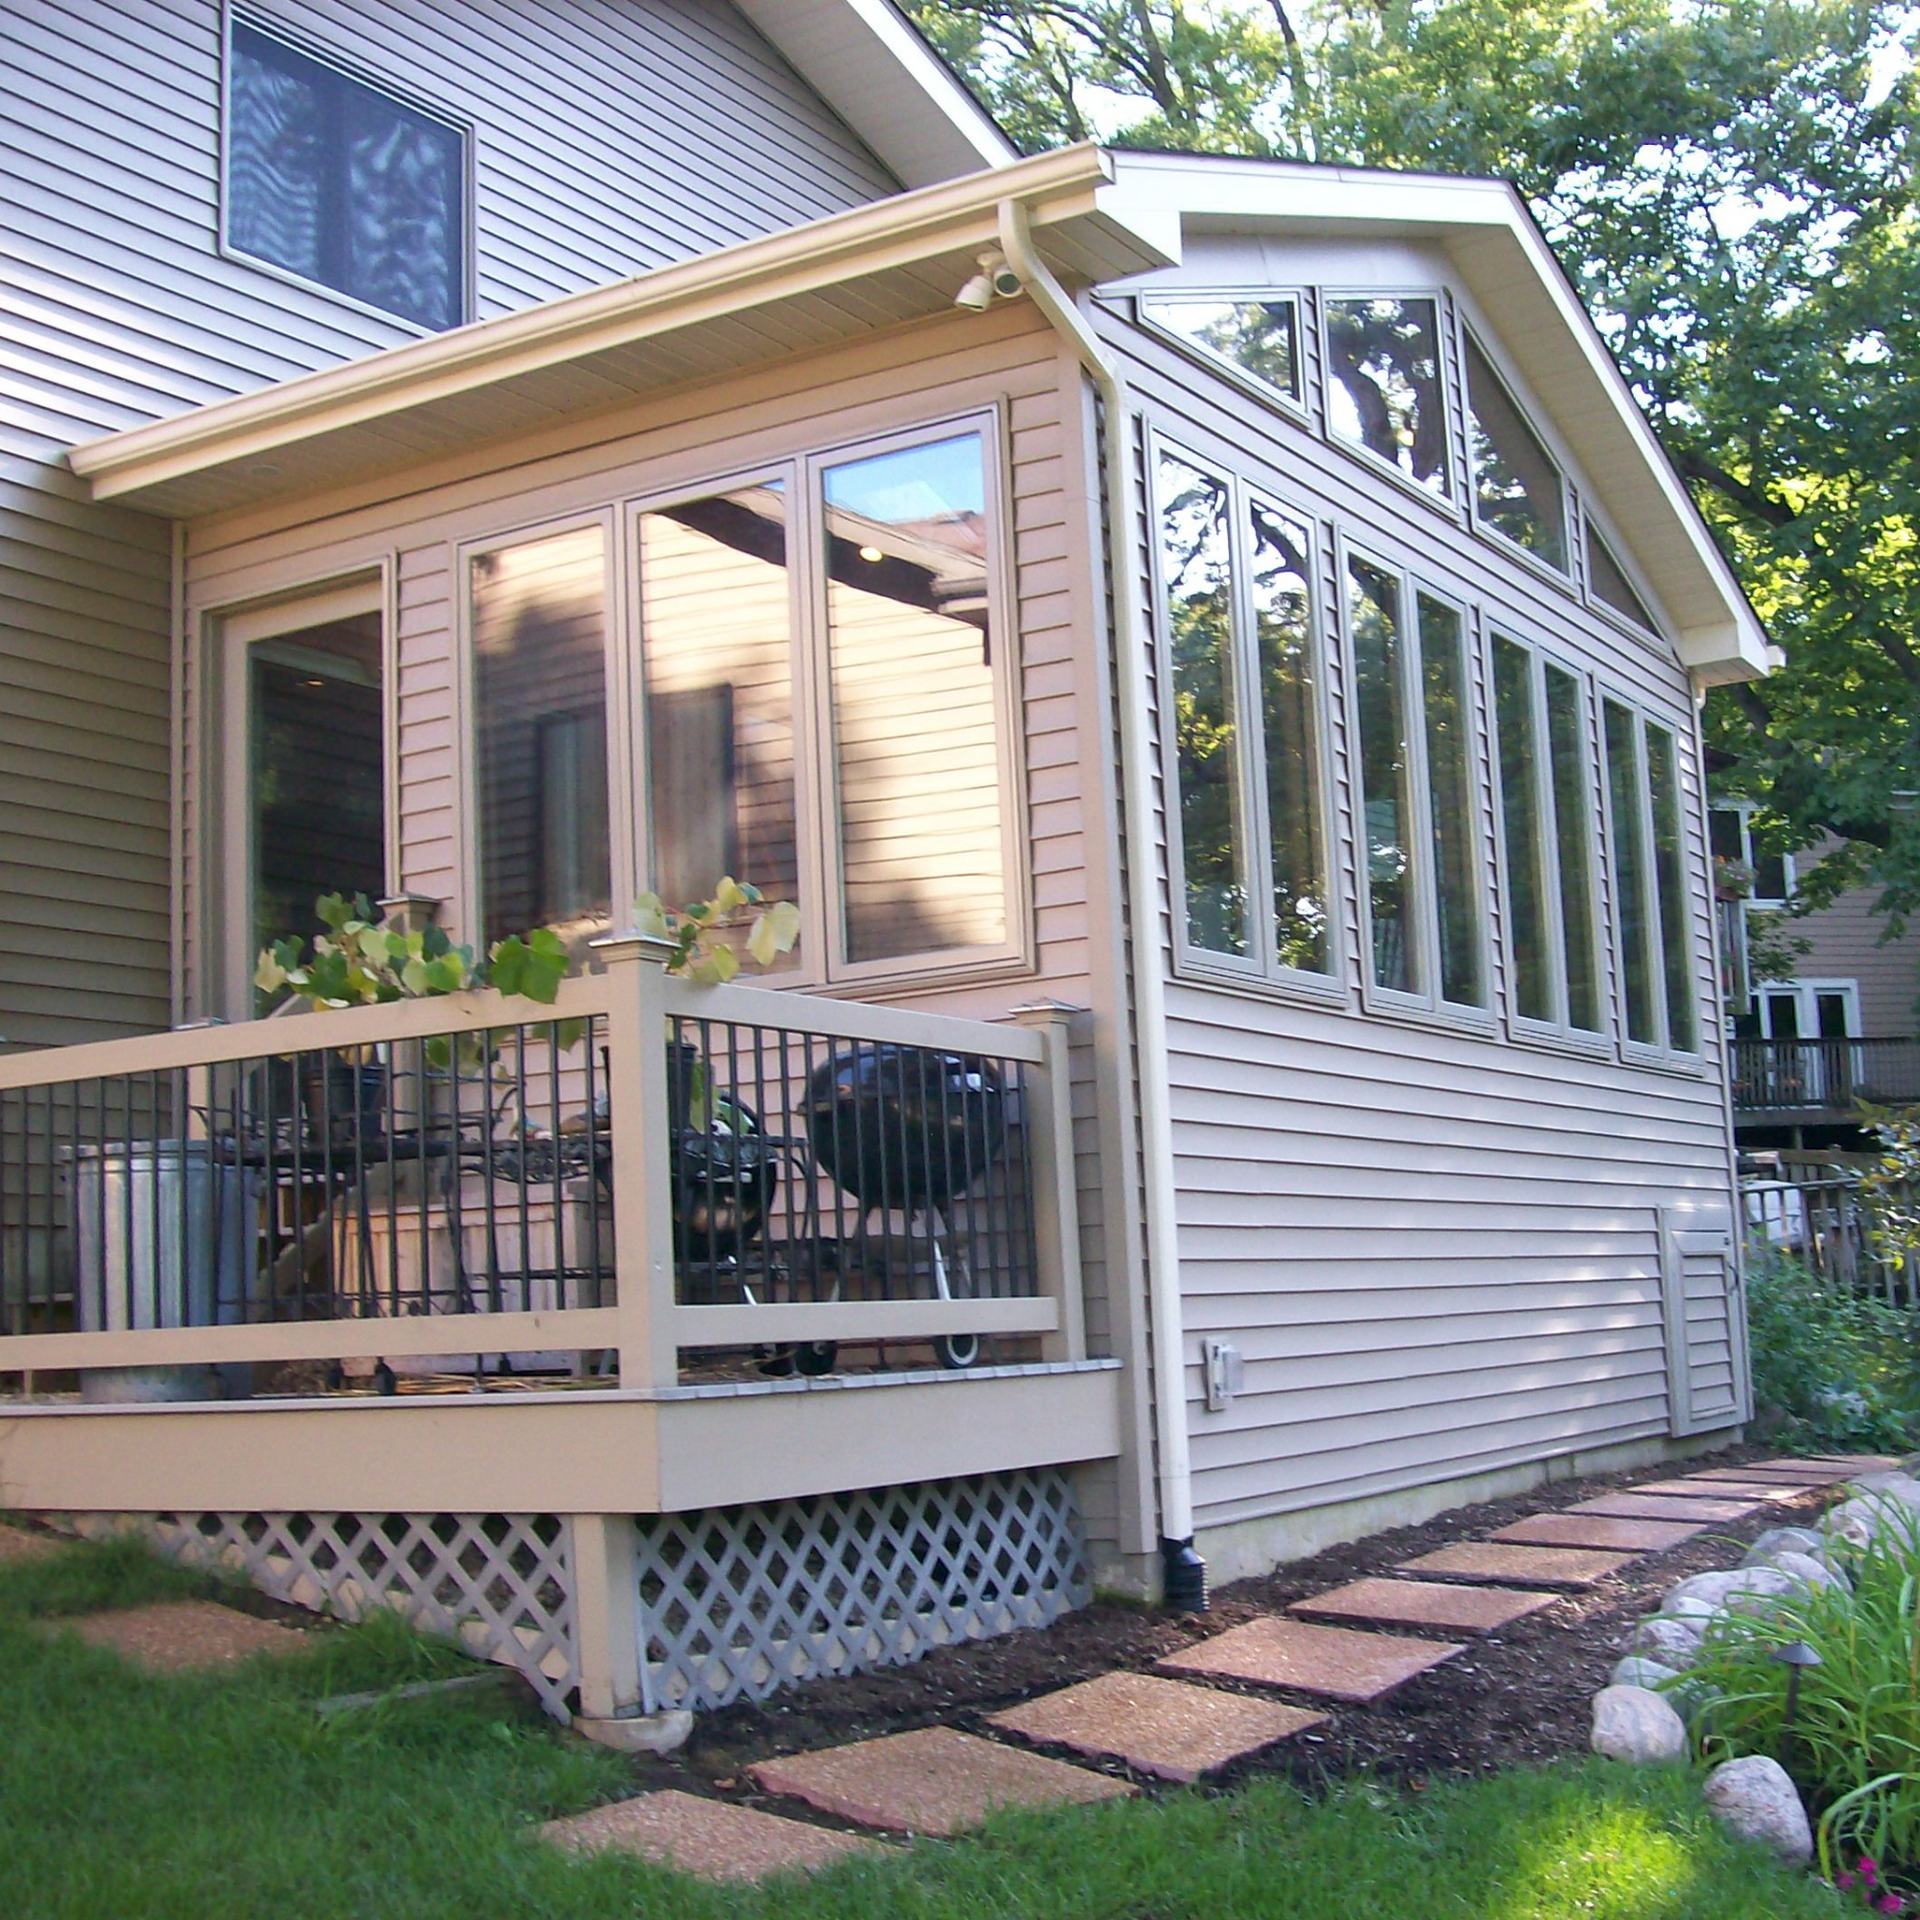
610, 136
1438, 1249
1844, 944
941, 370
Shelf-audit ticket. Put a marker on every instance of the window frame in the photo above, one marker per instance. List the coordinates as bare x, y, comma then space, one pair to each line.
1707, 1018
1295, 406
308, 48
1591, 524
1260, 968
1527, 1029
1762, 903
1427, 1004
1448, 500
1572, 523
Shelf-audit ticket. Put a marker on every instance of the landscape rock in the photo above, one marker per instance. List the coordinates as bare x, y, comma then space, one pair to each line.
1900, 1487
1859, 1521
1711, 1590
1634, 1725
1688, 1608
1804, 1570
1636, 1670
1781, 1540
1673, 1642
1757, 1800
1756, 1588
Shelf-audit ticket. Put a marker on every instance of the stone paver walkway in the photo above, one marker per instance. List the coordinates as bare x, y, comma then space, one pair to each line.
183, 1636
711, 1838
1756, 1491
1661, 1506
1596, 1530
1424, 1603
1159, 1727
1334, 1663
1507, 1565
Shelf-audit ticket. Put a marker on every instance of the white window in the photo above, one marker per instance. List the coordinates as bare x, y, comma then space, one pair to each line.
1255, 336
1518, 491
1551, 903
1413, 732
1651, 882
1242, 671
341, 182
1384, 385
1733, 841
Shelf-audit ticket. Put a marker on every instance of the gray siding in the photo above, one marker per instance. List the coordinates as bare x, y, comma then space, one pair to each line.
1438, 1248
610, 137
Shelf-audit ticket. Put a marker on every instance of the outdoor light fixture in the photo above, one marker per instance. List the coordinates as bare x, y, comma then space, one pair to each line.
1795, 1656
995, 280
871, 555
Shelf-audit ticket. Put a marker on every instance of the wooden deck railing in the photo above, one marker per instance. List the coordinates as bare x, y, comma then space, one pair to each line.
644, 1168
1822, 1221
1788, 1076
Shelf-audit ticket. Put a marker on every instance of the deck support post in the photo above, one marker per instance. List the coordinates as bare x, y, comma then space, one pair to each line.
1056, 1201
642, 1181
606, 1614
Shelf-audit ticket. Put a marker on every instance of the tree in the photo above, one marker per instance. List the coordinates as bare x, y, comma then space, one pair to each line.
1731, 184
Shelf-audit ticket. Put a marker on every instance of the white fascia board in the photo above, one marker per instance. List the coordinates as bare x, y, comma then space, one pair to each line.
875, 71
1501, 253
1067, 184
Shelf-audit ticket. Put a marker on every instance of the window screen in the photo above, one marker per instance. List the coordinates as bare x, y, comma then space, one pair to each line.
343, 184
1609, 584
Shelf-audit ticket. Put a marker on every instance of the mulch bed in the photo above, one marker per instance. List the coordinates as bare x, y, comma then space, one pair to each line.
1519, 1696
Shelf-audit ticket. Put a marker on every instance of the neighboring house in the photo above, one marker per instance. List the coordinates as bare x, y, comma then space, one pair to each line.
1837, 1028
1209, 646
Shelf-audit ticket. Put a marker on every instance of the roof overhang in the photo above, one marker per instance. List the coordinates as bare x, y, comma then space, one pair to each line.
1505, 262
871, 66
878, 265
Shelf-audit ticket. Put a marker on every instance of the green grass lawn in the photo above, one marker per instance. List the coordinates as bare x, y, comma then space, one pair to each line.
228, 1798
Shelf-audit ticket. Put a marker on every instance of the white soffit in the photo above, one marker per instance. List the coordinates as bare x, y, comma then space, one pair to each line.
875, 71
817, 285
1512, 273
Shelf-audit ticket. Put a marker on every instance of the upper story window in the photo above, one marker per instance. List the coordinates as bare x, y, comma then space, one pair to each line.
1731, 827
1608, 583
1383, 384
1517, 489
343, 183
1244, 666
1259, 338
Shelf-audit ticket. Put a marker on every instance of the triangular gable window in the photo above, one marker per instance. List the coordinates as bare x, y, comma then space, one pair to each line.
1259, 338
1516, 483
1608, 581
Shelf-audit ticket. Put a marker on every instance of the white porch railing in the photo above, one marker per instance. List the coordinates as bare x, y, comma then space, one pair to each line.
644, 1169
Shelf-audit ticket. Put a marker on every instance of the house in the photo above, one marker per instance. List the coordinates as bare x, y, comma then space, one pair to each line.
1832, 1026
1210, 648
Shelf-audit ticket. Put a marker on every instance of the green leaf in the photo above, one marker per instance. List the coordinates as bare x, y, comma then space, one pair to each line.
774, 932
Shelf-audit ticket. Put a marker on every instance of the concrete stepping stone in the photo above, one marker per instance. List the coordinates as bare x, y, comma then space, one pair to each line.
1598, 1530
1505, 1564
1664, 1506
1423, 1603
1781, 1471
1161, 1727
1759, 1490
1330, 1661
18, 1546
936, 1781
183, 1636
1849, 1463
709, 1838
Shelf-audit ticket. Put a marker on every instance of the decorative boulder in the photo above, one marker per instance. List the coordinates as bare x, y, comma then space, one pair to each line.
1636, 1670
1673, 1642
1631, 1724
1860, 1521
1755, 1797
1805, 1571
1781, 1540
1900, 1487
1709, 1589
1757, 1588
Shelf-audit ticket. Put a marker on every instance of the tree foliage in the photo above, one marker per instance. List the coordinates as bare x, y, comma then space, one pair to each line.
1731, 185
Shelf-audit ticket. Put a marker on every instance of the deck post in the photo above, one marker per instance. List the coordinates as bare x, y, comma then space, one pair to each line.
606, 1614
642, 1186
1056, 1207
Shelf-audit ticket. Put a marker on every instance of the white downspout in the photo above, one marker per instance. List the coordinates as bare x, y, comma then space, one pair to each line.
1149, 986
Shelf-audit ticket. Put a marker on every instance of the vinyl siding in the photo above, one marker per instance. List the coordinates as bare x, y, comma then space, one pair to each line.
1437, 1247
609, 137
940, 370
1844, 944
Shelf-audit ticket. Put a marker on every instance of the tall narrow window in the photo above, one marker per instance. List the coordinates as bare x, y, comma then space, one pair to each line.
1447, 716
1290, 731
317, 781
1670, 887
539, 613
1259, 338
716, 648
1529, 944
1385, 774
1383, 384
343, 184
1632, 892
1573, 847
1198, 575
1517, 488
910, 676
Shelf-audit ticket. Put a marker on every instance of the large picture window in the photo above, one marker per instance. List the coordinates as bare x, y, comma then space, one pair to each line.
1243, 687
1383, 384
341, 183
1413, 723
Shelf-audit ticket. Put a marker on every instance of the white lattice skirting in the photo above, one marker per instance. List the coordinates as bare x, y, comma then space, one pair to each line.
737, 1602
499, 1583
734, 1602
